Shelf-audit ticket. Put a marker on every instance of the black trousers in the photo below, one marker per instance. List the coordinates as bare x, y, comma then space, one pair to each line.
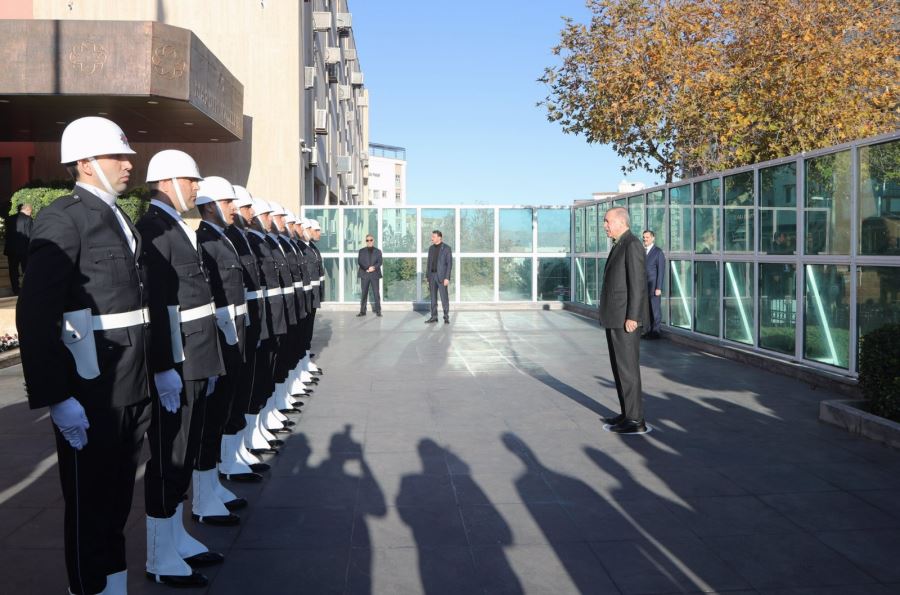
311, 323
366, 282
97, 485
174, 445
263, 383
16, 263
624, 357
240, 403
217, 406
655, 308
436, 286
284, 357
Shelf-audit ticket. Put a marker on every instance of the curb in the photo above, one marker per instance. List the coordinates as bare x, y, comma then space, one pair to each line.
848, 415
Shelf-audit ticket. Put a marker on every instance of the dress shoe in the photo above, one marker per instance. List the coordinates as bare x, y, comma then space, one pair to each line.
629, 426
195, 579
360, 314
378, 314
446, 320
237, 503
430, 320
260, 467
614, 421
312, 355
229, 520
205, 559
243, 477
276, 443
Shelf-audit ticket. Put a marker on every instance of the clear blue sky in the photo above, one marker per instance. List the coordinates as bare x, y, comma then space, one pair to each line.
455, 83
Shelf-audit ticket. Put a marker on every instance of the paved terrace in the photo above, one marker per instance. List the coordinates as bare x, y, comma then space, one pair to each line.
469, 458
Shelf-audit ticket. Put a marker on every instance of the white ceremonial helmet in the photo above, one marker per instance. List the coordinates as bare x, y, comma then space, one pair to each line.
171, 164
92, 137
215, 188
314, 225
260, 207
243, 197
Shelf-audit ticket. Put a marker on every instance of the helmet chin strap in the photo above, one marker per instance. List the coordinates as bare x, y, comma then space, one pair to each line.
102, 176
221, 214
178, 195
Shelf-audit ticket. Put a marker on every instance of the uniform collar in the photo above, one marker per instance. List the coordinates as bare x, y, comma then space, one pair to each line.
103, 195
168, 209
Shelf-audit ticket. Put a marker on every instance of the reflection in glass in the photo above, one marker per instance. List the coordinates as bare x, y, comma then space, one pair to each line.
553, 230
707, 298
657, 198
332, 278
877, 298
879, 198
656, 222
476, 281
680, 300
636, 214
739, 212
399, 230
399, 280
476, 230
590, 243
778, 209
515, 279
443, 220
327, 219
777, 306
680, 219
706, 217
827, 205
358, 223
586, 281
352, 290
603, 242
553, 279
738, 302
579, 229
593, 276
826, 330
516, 229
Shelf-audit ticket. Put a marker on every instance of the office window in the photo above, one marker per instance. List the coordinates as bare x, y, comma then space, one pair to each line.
778, 209
738, 302
553, 230
515, 279
680, 219
826, 329
680, 298
706, 279
553, 279
777, 306
476, 230
879, 199
706, 217
827, 204
739, 212
516, 229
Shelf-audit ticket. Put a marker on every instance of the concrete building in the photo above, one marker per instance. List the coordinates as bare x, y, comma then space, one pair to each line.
387, 176
267, 94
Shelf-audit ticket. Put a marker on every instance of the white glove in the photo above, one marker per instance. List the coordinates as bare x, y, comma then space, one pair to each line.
168, 385
212, 385
69, 417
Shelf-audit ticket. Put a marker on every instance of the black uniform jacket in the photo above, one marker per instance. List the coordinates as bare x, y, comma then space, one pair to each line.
79, 258
293, 259
318, 270
226, 276
251, 272
284, 278
176, 277
310, 266
275, 314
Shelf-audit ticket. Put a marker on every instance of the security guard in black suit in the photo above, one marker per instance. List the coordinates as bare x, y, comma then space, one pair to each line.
215, 203
186, 360
82, 321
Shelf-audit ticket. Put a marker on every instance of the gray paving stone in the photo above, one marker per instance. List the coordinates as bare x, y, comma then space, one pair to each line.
439, 570
830, 511
876, 552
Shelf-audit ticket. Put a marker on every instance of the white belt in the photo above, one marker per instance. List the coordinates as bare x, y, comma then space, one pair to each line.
273, 291
316, 283
287, 290
198, 312
307, 288
322, 278
254, 295
240, 309
106, 322
298, 285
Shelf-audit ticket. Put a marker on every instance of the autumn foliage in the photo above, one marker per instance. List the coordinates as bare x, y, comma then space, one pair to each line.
684, 87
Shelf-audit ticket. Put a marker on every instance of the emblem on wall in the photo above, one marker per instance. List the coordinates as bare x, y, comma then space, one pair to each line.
88, 57
167, 62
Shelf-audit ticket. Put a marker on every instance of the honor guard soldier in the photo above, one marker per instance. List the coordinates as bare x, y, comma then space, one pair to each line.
185, 359
309, 266
82, 321
212, 503
303, 287
318, 271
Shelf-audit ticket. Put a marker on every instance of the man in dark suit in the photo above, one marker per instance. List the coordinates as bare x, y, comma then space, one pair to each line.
438, 269
624, 308
656, 274
86, 279
369, 261
18, 234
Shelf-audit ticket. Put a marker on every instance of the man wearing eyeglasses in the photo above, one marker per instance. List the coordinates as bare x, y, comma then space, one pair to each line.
369, 273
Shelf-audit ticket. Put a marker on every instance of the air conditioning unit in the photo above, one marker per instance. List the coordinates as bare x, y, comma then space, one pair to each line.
332, 55
350, 54
309, 77
343, 22
345, 92
363, 101
350, 117
332, 71
356, 79
343, 164
321, 21
314, 156
321, 121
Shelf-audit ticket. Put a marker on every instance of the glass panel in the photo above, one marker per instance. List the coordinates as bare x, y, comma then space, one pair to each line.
399, 230
877, 298
590, 244
827, 204
602, 240
476, 230
657, 198
352, 290
636, 214
553, 230
826, 330
476, 281
739, 302
579, 229
399, 281
332, 277
358, 223
706, 217
680, 219
553, 279
586, 281
601, 268
327, 219
778, 209
706, 320
879, 198
443, 220
516, 228
656, 222
777, 306
591, 280
515, 279
739, 212
621, 202
681, 300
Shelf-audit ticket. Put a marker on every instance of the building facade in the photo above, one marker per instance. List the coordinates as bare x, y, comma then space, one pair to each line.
387, 176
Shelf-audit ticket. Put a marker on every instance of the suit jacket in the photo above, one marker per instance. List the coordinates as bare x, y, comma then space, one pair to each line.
275, 312
284, 278
656, 269
318, 270
18, 235
258, 329
176, 277
444, 264
293, 261
79, 258
310, 266
226, 276
365, 261
624, 295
